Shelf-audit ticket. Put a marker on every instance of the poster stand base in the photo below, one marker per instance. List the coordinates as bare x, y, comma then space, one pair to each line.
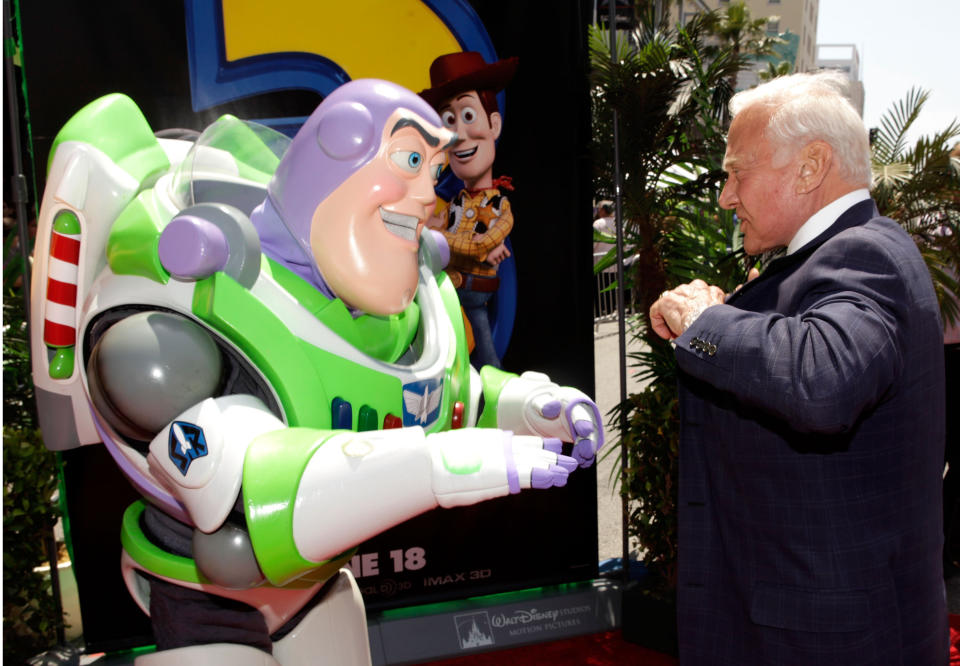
495, 622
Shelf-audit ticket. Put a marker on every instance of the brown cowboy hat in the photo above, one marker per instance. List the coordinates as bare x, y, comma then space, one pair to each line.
466, 70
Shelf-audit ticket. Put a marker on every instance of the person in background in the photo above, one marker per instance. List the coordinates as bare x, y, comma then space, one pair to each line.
606, 225
812, 409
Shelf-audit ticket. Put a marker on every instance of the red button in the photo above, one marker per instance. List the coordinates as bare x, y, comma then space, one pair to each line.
391, 421
457, 420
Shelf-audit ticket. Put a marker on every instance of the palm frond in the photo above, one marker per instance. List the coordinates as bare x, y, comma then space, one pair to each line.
919, 186
891, 138
892, 174
942, 269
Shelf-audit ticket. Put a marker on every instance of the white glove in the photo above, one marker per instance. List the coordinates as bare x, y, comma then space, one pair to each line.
533, 405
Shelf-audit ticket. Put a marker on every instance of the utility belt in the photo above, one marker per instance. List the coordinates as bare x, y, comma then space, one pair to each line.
482, 283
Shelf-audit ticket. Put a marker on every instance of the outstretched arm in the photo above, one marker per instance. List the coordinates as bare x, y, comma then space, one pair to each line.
309, 495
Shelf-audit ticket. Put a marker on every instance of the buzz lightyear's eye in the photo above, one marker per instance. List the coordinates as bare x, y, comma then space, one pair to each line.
468, 115
449, 118
435, 171
408, 160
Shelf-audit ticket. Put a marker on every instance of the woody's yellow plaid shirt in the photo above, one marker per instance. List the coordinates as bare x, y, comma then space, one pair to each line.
485, 212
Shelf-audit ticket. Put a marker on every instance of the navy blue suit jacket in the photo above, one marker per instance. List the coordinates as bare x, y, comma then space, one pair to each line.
811, 459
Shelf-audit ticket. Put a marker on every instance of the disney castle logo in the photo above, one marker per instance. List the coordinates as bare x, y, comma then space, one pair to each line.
473, 630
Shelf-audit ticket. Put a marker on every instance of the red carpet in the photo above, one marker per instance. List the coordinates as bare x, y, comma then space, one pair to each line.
606, 649
954, 640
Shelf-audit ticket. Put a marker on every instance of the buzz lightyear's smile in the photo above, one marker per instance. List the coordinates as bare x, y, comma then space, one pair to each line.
404, 226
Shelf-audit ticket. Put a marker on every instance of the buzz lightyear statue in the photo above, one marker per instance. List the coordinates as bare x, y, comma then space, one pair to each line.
263, 337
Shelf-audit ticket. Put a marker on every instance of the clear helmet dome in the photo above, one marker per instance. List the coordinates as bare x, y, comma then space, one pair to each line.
231, 162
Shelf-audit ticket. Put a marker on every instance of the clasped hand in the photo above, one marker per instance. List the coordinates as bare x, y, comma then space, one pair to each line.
678, 308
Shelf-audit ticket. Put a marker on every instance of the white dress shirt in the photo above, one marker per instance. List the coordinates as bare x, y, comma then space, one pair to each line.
823, 218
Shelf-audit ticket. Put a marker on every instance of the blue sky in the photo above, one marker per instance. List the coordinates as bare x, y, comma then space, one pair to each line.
901, 44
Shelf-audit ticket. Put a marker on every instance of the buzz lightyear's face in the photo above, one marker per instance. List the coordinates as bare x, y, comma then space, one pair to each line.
366, 233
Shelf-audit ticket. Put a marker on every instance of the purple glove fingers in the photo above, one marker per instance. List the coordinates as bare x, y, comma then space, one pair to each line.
554, 476
513, 478
584, 428
595, 411
567, 462
584, 453
551, 410
552, 444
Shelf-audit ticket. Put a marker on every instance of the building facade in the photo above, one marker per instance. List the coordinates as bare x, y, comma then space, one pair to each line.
795, 21
845, 58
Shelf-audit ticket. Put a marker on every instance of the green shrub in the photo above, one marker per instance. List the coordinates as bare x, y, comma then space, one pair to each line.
30, 612
31, 615
650, 443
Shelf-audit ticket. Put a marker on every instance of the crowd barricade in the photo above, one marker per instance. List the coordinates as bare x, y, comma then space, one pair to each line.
605, 297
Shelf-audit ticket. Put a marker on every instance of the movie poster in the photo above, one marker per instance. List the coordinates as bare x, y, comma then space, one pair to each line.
186, 64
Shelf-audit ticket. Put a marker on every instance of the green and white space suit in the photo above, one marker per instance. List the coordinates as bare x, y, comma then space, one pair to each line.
279, 425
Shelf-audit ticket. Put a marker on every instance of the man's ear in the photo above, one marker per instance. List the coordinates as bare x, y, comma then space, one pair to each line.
815, 161
496, 124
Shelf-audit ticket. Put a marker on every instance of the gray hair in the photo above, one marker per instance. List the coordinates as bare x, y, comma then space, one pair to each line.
810, 107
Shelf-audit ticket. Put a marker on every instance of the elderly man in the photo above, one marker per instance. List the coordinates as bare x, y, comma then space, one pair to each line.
812, 409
